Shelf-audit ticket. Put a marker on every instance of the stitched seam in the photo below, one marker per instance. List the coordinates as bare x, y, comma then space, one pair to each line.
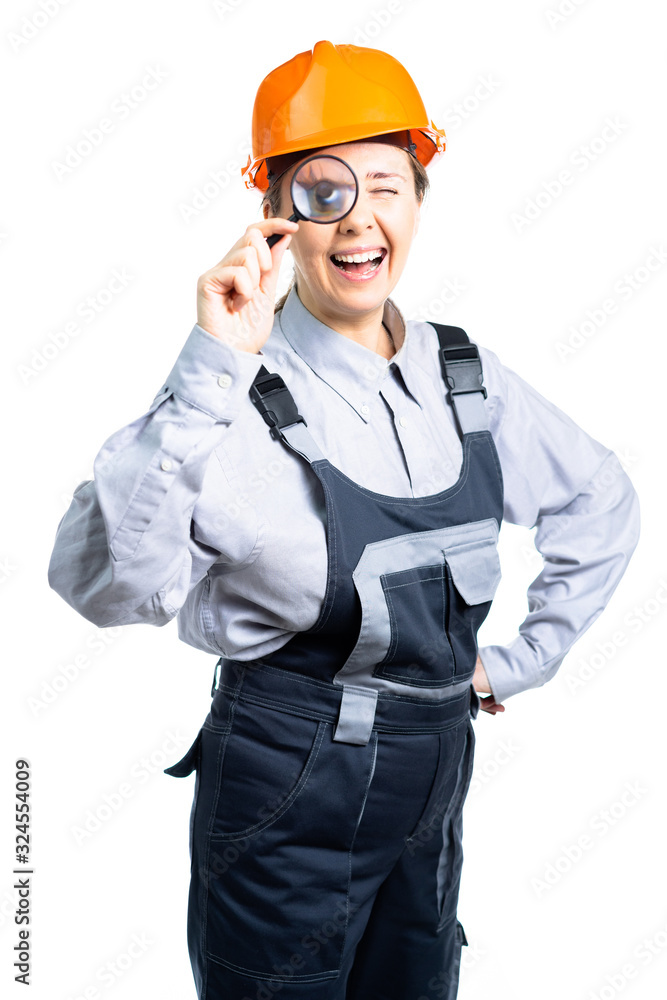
207, 616
393, 633
141, 489
411, 583
431, 808
419, 501
447, 610
332, 559
379, 671
296, 678
401, 679
272, 702
207, 851
253, 974
284, 806
356, 830
468, 751
389, 697
427, 727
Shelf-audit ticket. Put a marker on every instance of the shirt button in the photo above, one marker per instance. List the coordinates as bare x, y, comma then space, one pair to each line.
365, 409
165, 465
403, 421
224, 381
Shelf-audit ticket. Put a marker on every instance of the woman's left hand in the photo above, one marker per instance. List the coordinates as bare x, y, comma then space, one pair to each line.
480, 682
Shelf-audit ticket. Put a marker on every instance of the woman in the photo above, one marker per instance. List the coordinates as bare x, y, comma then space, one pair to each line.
340, 561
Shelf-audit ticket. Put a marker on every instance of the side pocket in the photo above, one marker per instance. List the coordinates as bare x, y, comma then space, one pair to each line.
187, 764
455, 972
181, 769
451, 857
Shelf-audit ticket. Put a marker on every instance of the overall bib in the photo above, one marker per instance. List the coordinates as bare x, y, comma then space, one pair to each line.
325, 832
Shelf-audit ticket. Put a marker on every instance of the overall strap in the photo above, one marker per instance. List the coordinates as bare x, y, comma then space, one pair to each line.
277, 405
462, 371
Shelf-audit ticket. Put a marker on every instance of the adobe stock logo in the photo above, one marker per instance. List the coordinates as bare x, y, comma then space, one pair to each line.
566, 8
643, 954
634, 621
376, 24
624, 288
89, 308
554, 188
459, 113
599, 826
36, 22
94, 136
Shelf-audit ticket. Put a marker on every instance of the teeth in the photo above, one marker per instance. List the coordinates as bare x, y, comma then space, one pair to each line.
358, 258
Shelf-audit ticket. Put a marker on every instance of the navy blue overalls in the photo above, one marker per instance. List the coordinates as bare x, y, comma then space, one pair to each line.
325, 832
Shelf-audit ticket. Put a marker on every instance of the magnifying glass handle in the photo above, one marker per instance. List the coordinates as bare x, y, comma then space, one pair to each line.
272, 240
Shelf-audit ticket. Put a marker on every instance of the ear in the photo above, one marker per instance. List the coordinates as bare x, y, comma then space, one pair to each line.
265, 209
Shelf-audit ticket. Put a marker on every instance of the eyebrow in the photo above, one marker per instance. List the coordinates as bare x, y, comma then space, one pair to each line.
377, 175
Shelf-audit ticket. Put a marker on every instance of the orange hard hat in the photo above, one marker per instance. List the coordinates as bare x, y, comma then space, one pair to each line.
332, 95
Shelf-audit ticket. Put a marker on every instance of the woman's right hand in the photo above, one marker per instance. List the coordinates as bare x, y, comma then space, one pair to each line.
236, 298
480, 682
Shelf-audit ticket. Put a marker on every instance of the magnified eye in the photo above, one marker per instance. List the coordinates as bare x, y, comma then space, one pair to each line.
324, 189
326, 197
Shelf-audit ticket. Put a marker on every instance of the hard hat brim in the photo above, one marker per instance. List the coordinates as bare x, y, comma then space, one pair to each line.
430, 143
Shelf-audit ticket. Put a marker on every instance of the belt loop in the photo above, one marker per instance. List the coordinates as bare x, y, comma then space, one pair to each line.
357, 715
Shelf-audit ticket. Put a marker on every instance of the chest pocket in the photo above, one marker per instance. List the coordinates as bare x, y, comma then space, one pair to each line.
423, 597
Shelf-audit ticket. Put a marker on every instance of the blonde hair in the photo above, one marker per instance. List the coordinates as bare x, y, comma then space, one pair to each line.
272, 198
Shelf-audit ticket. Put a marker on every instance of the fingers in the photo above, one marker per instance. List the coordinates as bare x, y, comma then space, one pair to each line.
258, 262
248, 272
253, 252
277, 228
258, 258
253, 260
261, 249
490, 705
244, 287
274, 224
255, 238
258, 232
235, 284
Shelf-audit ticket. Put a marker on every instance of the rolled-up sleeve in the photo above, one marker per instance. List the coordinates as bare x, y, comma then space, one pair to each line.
585, 511
126, 551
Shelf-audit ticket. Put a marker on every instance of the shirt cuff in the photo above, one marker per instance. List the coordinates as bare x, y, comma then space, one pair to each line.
508, 670
211, 375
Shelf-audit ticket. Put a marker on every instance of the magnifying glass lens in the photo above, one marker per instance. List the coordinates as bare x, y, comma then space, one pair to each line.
324, 189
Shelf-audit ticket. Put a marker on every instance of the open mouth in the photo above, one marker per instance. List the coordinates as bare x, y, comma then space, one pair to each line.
359, 263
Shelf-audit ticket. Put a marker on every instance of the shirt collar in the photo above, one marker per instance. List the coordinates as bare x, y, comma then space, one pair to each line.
355, 372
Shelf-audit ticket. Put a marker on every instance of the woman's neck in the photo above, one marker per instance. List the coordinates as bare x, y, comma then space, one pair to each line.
366, 329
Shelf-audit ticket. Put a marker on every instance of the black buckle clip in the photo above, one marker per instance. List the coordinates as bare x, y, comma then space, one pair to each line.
275, 402
463, 369
214, 686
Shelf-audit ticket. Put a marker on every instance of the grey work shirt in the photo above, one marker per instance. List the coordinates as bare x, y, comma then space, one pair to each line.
196, 510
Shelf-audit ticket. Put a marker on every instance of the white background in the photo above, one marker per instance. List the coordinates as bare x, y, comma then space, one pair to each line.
534, 90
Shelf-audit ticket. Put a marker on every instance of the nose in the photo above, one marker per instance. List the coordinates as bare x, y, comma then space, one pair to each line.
360, 218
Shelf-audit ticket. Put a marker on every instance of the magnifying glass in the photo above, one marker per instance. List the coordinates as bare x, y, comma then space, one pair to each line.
323, 189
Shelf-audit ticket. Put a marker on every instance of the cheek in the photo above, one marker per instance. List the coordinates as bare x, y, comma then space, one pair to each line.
405, 234
308, 252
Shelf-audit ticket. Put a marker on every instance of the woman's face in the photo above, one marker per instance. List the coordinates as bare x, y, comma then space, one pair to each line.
383, 223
